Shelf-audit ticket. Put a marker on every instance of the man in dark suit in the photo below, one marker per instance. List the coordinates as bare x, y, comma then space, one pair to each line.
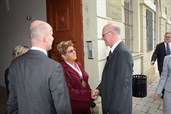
115, 88
36, 83
161, 51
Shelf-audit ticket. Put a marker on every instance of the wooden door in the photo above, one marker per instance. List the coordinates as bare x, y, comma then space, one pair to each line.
65, 16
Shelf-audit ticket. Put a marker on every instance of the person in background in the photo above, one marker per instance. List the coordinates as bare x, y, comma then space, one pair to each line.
36, 83
162, 49
165, 83
17, 51
115, 88
76, 78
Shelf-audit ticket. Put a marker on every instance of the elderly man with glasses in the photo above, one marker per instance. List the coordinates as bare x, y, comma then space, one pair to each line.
115, 88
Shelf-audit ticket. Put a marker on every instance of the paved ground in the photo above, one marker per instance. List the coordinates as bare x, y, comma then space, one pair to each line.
148, 105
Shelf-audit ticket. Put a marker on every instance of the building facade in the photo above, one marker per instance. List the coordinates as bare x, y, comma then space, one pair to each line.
143, 24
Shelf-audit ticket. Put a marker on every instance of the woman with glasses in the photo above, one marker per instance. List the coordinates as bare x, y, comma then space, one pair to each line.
76, 78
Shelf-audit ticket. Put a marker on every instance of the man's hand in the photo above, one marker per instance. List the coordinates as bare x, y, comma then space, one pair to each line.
152, 62
94, 94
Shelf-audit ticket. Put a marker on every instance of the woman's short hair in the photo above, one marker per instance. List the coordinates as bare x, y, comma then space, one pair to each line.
62, 47
19, 50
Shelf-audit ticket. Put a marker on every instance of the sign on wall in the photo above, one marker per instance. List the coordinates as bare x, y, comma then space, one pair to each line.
114, 9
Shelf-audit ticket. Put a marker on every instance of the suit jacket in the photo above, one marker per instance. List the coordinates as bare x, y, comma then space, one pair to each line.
159, 54
80, 96
37, 86
116, 85
165, 79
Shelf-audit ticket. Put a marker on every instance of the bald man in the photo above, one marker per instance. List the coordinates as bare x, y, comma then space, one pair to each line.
36, 83
115, 88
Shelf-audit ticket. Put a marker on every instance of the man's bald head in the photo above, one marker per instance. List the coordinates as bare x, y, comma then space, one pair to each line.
110, 34
41, 34
112, 27
39, 28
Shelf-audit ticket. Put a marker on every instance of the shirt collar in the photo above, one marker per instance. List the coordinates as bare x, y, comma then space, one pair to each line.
39, 49
114, 46
167, 43
77, 70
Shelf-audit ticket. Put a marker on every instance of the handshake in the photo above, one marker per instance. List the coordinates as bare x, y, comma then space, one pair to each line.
94, 94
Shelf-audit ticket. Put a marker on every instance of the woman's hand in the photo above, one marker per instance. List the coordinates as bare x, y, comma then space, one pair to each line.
157, 96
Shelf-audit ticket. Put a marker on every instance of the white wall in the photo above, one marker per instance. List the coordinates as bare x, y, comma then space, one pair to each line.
90, 34
14, 26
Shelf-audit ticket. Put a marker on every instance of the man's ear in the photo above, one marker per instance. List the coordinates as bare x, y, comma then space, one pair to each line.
45, 38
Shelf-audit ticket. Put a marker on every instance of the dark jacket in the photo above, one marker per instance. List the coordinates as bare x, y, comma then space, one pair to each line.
116, 85
37, 86
80, 96
159, 54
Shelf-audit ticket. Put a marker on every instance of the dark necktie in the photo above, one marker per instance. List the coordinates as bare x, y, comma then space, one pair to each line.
109, 55
167, 49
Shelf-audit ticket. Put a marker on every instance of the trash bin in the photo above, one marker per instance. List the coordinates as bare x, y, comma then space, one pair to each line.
139, 86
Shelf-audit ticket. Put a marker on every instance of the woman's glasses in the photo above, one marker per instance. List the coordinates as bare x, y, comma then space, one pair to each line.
72, 50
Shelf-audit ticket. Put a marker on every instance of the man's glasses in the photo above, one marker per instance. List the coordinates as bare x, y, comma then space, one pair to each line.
72, 50
106, 33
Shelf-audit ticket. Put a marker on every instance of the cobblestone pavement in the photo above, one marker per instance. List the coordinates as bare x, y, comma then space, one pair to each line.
148, 104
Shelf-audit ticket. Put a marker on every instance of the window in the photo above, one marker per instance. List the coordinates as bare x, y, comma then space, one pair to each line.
149, 26
128, 23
